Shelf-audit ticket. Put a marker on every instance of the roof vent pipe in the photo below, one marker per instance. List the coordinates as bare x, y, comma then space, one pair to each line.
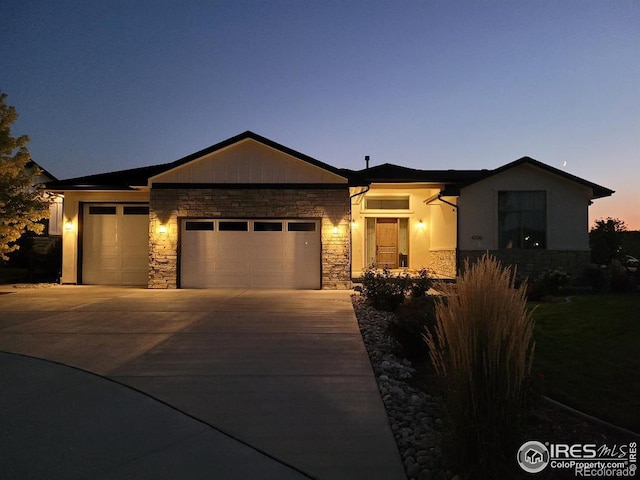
366, 160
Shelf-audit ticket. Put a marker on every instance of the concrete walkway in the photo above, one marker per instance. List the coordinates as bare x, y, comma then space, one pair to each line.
284, 373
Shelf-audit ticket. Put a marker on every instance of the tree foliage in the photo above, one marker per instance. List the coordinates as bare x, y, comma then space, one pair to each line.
605, 240
22, 206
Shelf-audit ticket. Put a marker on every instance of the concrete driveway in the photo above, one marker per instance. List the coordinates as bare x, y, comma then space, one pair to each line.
284, 372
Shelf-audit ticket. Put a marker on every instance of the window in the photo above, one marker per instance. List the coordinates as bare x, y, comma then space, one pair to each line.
199, 226
387, 203
522, 220
267, 226
233, 226
136, 210
301, 226
99, 210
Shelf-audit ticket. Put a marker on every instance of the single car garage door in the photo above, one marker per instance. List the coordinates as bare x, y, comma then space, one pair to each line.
250, 253
115, 244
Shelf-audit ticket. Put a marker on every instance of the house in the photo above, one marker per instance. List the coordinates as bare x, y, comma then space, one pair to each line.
533, 456
249, 212
40, 178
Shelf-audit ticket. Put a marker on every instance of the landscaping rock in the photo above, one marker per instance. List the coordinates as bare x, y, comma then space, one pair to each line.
415, 417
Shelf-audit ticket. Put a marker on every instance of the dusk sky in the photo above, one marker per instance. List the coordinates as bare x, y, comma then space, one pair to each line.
109, 85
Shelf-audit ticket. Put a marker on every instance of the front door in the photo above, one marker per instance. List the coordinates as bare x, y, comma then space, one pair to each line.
387, 242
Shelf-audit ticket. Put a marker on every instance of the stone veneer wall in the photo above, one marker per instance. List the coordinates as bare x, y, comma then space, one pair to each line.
331, 206
443, 262
531, 263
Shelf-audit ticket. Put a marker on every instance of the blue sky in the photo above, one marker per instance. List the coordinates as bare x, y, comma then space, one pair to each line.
108, 85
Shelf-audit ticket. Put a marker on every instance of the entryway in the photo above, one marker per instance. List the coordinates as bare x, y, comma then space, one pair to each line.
387, 242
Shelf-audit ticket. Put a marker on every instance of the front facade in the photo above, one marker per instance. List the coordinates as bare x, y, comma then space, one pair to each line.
251, 213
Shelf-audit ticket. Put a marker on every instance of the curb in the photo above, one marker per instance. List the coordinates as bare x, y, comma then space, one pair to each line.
595, 420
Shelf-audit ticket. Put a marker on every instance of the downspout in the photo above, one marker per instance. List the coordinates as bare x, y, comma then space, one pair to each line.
457, 229
367, 188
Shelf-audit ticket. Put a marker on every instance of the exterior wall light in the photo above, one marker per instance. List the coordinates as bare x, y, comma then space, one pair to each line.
421, 225
162, 229
335, 230
68, 225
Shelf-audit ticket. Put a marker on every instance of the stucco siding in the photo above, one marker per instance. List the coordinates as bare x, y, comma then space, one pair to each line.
567, 209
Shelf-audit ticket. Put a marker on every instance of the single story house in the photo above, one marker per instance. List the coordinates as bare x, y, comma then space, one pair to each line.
249, 212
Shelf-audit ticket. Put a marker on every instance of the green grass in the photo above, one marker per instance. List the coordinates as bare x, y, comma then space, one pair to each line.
589, 352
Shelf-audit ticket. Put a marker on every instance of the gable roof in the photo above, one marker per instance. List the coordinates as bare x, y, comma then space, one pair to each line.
598, 190
139, 177
386, 173
263, 140
455, 179
33, 165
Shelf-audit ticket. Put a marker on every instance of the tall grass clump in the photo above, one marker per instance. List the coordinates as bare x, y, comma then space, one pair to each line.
483, 349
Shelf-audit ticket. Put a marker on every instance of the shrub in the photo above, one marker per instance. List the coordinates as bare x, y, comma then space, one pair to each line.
621, 280
596, 277
383, 290
414, 317
552, 282
483, 349
420, 284
387, 291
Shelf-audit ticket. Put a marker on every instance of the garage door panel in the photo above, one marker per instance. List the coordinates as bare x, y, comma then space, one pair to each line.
115, 244
264, 254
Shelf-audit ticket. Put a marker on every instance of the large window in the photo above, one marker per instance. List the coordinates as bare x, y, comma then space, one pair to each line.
522, 219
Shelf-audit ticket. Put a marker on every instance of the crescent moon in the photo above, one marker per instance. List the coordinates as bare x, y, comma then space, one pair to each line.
564, 164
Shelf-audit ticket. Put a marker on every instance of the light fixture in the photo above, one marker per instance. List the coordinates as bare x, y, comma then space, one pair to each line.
354, 224
68, 225
421, 224
335, 230
162, 229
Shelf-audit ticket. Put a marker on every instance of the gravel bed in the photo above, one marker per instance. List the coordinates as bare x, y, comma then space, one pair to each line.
415, 417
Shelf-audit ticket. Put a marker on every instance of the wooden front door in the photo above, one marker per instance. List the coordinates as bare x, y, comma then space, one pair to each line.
387, 242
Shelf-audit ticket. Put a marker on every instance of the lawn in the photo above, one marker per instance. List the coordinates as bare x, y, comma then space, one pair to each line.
589, 353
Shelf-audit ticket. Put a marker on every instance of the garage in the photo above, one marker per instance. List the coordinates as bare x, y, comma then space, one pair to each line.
115, 244
250, 253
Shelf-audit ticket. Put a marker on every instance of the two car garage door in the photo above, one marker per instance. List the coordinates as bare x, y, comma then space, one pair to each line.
250, 253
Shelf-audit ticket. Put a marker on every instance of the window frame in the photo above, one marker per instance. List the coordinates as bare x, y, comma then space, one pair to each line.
526, 222
379, 197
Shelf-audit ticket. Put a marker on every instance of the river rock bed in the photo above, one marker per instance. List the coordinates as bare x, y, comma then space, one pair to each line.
416, 418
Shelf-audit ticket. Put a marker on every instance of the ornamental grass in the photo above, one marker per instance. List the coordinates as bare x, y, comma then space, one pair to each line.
483, 349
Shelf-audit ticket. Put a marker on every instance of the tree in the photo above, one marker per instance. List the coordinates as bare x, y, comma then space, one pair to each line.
605, 240
22, 206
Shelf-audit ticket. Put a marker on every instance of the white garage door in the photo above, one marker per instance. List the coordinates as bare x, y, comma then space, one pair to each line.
115, 244
250, 254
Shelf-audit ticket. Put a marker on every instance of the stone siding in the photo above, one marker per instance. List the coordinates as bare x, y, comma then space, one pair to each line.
168, 206
443, 263
531, 263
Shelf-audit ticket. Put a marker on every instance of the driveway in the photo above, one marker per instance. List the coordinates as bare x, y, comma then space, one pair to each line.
285, 372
